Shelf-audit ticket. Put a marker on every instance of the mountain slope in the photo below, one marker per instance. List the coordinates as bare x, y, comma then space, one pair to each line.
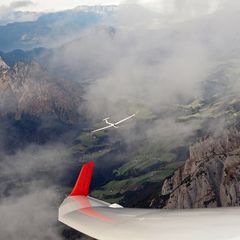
34, 105
35, 92
12, 57
209, 178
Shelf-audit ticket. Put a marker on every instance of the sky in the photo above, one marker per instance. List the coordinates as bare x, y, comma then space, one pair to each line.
56, 5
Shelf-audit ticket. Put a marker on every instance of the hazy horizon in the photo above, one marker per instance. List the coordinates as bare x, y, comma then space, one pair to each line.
162, 6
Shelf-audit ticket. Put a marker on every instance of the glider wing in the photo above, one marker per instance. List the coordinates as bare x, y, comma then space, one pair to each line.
104, 221
103, 128
125, 119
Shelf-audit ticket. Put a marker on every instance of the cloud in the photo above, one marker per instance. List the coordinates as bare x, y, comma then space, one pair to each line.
26, 163
20, 4
181, 10
151, 60
29, 192
10, 13
30, 216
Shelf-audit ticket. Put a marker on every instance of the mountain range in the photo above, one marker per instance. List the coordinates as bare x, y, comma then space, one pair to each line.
52, 29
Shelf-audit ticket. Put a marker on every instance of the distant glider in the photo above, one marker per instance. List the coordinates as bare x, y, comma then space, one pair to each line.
115, 125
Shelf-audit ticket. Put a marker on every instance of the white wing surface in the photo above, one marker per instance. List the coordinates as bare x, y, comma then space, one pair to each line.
125, 119
103, 128
103, 221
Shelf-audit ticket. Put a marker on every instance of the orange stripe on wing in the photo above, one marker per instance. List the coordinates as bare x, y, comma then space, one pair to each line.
87, 209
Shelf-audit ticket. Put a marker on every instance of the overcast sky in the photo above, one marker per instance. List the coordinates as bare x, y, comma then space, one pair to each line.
56, 5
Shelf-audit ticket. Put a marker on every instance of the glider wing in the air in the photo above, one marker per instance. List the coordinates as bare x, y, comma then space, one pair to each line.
125, 119
103, 128
106, 221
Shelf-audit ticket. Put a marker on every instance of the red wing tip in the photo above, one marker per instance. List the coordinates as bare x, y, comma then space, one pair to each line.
89, 163
83, 182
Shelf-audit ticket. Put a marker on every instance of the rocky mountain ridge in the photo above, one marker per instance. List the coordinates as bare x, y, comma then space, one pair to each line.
209, 178
51, 29
28, 88
3, 65
101, 9
36, 107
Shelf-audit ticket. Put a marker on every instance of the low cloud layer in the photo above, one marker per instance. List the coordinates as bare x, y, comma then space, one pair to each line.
152, 60
29, 196
30, 216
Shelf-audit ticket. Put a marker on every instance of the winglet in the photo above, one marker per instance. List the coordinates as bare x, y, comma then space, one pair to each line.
83, 182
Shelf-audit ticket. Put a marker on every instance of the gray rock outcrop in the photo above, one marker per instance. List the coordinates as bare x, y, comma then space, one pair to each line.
209, 178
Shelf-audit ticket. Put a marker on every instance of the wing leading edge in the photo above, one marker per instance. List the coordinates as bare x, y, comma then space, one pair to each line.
104, 221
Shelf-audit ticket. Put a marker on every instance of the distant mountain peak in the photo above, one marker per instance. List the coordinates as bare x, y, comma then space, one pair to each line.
3, 65
101, 9
27, 67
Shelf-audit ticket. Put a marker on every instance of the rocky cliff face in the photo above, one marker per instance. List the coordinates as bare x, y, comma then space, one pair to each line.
209, 178
28, 89
36, 107
3, 65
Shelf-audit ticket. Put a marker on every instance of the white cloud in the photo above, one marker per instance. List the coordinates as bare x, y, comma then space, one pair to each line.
57, 5
11, 12
28, 194
178, 10
166, 6
155, 68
